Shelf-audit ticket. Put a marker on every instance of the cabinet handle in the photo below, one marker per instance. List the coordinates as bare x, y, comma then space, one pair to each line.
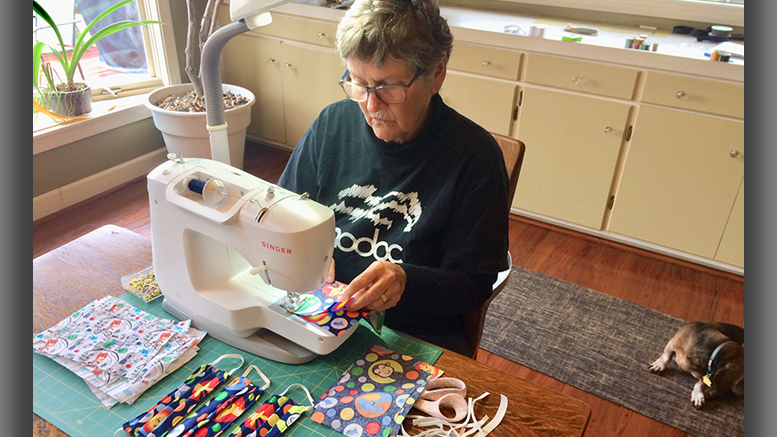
270, 60
287, 65
607, 129
578, 80
734, 153
321, 35
486, 63
681, 94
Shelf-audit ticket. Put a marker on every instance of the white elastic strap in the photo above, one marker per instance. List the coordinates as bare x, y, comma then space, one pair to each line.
476, 427
240, 357
116, 434
266, 380
310, 398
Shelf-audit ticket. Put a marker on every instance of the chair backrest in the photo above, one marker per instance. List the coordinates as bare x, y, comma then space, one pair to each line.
513, 151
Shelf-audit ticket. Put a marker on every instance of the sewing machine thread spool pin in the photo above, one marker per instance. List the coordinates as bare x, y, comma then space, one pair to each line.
213, 191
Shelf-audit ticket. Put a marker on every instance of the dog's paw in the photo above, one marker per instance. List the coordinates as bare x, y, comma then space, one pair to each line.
697, 397
658, 366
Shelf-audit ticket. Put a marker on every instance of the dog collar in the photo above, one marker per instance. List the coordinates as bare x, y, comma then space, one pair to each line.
707, 379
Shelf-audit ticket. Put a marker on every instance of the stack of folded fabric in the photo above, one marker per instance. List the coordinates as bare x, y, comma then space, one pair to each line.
118, 350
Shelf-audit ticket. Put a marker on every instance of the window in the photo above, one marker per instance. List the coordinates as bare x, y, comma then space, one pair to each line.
129, 62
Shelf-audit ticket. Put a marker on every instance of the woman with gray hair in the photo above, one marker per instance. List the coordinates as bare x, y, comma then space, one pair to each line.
419, 191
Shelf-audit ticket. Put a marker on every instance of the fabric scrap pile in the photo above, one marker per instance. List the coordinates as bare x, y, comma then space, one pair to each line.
118, 350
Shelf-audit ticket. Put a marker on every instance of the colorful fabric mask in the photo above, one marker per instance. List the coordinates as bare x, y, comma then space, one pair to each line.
177, 404
274, 416
374, 395
321, 308
218, 413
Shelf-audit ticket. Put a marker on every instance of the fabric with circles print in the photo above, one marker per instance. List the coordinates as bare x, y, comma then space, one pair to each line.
374, 395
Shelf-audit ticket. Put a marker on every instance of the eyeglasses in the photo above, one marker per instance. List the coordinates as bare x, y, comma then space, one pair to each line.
390, 94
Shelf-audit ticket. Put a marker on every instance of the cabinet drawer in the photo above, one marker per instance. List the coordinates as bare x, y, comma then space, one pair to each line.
485, 61
581, 76
300, 29
695, 94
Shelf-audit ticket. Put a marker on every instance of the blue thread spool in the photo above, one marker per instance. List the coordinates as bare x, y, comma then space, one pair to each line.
196, 185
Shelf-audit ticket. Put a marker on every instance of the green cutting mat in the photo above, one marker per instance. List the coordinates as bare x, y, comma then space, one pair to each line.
64, 400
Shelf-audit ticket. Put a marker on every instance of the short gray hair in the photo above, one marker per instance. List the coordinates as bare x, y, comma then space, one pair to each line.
412, 31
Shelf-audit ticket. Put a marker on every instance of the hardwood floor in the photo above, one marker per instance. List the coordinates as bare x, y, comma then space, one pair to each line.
655, 281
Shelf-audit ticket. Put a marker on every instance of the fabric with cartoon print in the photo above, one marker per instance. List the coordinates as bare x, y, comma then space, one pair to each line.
177, 404
320, 307
374, 395
177, 352
271, 419
110, 336
218, 413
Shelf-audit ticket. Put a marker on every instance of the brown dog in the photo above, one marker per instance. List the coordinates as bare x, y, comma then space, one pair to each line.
714, 353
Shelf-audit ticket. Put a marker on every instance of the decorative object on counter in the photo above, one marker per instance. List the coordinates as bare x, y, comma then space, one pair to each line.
537, 30
514, 29
583, 30
721, 31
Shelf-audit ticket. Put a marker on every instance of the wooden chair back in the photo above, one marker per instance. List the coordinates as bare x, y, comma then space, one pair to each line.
513, 151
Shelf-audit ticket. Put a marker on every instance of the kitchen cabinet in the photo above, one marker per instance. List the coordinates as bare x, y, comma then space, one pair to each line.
292, 83
680, 181
572, 146
480, 84
732, 245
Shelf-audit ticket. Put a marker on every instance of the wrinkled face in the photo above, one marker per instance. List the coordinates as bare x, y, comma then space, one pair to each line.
402, 122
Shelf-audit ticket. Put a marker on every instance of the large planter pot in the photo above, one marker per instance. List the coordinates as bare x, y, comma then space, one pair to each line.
72, 103
187, 132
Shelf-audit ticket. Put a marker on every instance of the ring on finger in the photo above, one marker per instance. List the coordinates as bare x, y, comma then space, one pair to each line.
384, 298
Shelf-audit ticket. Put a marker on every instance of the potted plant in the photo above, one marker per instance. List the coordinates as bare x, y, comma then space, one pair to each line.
68, 97
179, 110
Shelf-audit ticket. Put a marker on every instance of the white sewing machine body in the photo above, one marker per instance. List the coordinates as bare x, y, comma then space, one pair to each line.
227, 252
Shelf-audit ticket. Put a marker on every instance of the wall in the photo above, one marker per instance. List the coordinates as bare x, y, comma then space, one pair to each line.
80, 159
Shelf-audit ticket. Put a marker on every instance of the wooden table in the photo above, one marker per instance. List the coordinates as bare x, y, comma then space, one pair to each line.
79, 272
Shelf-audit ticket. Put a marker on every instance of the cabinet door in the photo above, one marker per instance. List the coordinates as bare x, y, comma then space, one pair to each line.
572, 145
681, 176
310, 78
732, 245
487, 102
254, 63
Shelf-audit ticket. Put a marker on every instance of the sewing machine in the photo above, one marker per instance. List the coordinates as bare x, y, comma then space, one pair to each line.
230, 248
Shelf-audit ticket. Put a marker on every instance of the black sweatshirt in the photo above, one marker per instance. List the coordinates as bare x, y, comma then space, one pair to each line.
437, 206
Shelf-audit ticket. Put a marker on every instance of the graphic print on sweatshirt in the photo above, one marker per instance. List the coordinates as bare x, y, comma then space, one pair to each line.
359, 202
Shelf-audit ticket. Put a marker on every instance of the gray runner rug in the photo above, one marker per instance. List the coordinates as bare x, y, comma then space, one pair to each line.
601, 345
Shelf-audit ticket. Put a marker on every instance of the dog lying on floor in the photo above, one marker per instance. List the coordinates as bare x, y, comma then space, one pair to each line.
714, 353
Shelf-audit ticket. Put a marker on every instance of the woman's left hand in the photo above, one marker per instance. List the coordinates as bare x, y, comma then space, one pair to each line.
377, 288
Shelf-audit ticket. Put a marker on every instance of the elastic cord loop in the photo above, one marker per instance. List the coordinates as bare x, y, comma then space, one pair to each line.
266, 380
230, 356
310, 398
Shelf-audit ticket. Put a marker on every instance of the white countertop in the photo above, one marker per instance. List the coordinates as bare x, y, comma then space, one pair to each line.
676, 53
